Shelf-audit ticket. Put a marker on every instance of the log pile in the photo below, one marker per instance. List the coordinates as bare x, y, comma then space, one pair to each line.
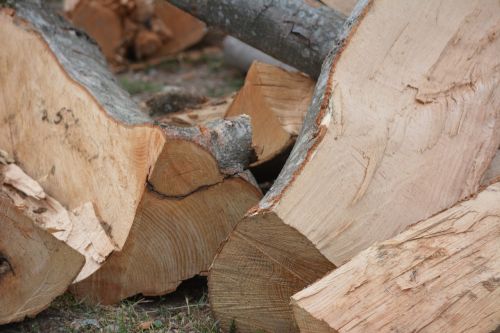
390, 194
135, 30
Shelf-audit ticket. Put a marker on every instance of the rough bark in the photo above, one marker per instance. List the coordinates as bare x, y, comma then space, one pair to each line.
441, 275
292, 31
56, 90
389, 140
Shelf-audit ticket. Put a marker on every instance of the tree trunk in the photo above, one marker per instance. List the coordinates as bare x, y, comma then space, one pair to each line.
441, 275
292, 31
35, 267
390, 139
69, 125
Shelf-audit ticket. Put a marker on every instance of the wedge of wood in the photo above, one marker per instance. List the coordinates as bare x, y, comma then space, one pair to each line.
441, 275
402, 126
276, 101
135, 30
80, 136
79, 229
35, 267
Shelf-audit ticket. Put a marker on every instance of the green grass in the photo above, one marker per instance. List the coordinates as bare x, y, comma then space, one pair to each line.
135, 87
67, 315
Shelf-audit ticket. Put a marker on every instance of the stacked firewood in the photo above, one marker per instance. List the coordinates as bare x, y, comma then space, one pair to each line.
131, 31
384, 218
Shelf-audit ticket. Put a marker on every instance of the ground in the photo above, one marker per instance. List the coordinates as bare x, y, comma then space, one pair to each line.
201, 70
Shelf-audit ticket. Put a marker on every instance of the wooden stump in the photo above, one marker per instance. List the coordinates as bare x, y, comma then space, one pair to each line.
402, 126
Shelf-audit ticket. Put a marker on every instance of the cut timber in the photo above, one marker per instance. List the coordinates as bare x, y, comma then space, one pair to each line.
72, 129
193, 240
276, 101
390, 140
441, 275
35, 267
80, 229
296, 32
342, 6
135, 30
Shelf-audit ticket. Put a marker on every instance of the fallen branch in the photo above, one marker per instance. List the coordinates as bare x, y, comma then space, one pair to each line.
292, 31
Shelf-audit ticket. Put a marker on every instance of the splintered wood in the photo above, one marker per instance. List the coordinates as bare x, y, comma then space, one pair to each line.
135, 30
441, 275
35, 267
84, 141
79, 229
404, 123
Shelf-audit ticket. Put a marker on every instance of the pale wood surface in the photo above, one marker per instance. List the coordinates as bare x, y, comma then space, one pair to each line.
35, 267
390, 139
276, 101
440, 275
80, 229
342, 6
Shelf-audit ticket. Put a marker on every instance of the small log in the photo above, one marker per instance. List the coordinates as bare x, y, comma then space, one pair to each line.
276, 101
389, 140
441, 275
35, 267
81, 137
292, 31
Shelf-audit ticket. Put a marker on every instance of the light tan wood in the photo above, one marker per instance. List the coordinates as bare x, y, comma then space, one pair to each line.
342, 6
79, 229
277, 101
152, 29
181, 242
35, 267
186, 29
402, 126
441, 275
74, 131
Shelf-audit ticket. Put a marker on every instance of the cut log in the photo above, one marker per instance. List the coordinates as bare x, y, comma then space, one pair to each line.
80, 229
390, 140
276, 101
35, 267
342, 6
70, 127
135, 30
293, 31
441, 275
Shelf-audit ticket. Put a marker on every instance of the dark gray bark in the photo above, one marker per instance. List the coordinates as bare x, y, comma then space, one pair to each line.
289, 30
